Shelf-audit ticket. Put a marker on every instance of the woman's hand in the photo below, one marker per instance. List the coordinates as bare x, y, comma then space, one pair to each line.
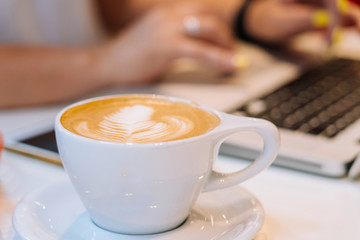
139, 54
275, 21
145, 49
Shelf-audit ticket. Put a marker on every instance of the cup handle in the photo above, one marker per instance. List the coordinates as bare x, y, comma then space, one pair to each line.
231, 125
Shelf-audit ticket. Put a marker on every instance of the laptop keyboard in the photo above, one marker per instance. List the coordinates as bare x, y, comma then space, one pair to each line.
323, 101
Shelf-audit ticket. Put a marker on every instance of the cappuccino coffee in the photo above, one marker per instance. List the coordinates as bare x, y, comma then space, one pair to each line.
138, 119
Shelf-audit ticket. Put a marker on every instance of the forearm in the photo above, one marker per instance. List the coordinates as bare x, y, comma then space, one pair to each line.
116, 14
44, 75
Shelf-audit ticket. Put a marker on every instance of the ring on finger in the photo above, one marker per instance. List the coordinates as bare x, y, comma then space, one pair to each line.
192, 25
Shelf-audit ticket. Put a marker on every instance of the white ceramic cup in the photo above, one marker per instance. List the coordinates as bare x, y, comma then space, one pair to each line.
146, 188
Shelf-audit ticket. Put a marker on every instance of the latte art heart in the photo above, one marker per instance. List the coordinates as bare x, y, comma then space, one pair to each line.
138, 119
134, 124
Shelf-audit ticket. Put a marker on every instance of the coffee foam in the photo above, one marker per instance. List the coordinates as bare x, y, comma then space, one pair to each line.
134, 124
138, 120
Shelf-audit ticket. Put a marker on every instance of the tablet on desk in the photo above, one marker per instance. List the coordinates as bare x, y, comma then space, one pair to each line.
41, 145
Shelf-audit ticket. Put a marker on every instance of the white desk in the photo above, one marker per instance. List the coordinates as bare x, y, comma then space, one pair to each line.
298, 206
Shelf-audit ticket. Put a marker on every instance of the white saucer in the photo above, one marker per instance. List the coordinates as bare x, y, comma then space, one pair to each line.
54, 212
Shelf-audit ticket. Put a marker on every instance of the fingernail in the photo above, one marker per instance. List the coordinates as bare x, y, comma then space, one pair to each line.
337, 35
343, 6
240, 61
321, 18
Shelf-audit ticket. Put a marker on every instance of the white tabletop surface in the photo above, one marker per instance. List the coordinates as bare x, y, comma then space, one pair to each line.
297, 205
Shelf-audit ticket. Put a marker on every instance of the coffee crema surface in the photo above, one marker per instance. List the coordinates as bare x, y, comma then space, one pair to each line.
138, 119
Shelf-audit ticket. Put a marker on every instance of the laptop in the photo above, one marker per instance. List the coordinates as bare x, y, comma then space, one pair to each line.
290, 94
318, 115
314, 102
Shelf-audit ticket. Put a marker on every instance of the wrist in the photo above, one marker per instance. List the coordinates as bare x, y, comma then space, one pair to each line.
242, 24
